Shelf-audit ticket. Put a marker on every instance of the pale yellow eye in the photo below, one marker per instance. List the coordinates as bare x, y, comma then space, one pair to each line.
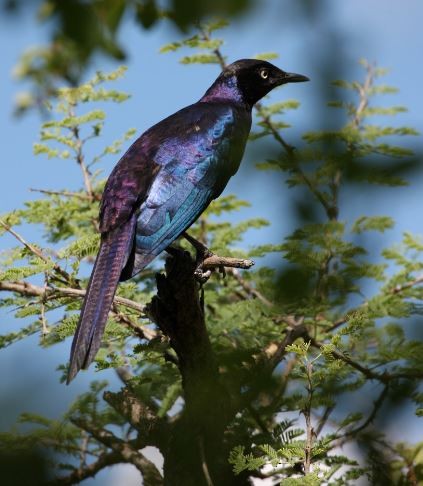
264, 73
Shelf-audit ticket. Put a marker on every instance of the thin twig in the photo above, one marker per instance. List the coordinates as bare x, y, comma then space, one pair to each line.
215, 261
84, 448
204, 466
43, 309
307, 414
87, 471
394, 290
339, 440
290, 150
357, 119
399, 288
323, 420
249, 289
26, 288
125, 449
80, 161
142, 331
27, 245
35, 251
377, 404
275, 352
67, 194
384, 377
363, 96
49, 293
216, 52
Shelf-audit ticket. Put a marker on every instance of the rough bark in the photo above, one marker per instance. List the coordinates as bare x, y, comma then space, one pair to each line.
196, 453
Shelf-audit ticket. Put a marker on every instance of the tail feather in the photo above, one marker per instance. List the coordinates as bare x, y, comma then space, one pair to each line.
111, 259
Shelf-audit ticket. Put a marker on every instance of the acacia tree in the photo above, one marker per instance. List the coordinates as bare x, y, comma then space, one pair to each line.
245, 376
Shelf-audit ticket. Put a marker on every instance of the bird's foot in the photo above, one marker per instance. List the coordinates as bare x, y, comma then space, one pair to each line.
202, 253
202, 276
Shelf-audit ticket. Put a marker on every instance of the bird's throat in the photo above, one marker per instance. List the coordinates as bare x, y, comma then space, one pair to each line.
225, 89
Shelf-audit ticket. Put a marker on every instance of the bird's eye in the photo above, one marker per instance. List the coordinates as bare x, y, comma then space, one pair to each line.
264, 73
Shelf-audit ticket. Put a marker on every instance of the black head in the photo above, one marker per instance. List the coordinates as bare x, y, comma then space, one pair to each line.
251, 79
256, 78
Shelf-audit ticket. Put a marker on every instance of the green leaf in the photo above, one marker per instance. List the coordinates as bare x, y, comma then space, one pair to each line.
376, 223
202, 58
266, 56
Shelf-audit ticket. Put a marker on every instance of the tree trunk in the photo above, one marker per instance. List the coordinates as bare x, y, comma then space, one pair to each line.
196, 452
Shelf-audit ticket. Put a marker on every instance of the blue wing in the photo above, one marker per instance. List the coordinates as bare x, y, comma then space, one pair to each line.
192, 174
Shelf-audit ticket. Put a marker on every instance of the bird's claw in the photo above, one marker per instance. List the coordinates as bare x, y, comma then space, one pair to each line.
202, 276
202, 253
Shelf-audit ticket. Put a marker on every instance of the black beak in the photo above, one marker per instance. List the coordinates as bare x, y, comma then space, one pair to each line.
294, 78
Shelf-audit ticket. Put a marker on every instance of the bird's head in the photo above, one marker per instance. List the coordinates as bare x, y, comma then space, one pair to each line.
250, 80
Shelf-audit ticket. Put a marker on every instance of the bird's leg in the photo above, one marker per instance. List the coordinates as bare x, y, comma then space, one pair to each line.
173, 250
202, 252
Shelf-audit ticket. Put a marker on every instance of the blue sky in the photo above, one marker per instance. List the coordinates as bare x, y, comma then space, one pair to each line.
388, 32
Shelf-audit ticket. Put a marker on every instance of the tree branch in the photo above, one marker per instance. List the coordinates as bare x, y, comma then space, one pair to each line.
215, 261
323, 420
142, 416
399, 288
377, 404
249, 288
87, 471
151, 474
394, 290
307, 414
78, 195
364, 95
80, 161
35, 251
178, 312
26, 288
49, 293
384, 377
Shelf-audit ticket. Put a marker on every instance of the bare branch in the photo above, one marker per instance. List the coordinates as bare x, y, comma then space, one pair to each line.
399, 288
394, 290
49, 293
377, 404
78, 195
307, 414
142, 415
127, 452
323, 420
363, 94
384, 377
275, 352
87, 471
249, 288
80, 161
35, 251
216, 261
206, 36
26, 288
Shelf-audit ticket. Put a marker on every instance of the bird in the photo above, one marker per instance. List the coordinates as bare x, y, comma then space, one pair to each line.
163, 183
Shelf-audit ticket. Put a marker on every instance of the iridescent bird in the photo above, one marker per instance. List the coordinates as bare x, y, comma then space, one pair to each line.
162, 184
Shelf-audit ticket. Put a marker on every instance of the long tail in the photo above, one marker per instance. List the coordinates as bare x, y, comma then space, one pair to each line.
111, 259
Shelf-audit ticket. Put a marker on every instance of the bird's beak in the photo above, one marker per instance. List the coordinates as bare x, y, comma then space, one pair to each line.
284, 77
295, 78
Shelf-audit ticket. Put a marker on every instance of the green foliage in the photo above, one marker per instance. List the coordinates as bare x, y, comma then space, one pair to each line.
200, 41
63, 214
80, 29
376, 223
297, 347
